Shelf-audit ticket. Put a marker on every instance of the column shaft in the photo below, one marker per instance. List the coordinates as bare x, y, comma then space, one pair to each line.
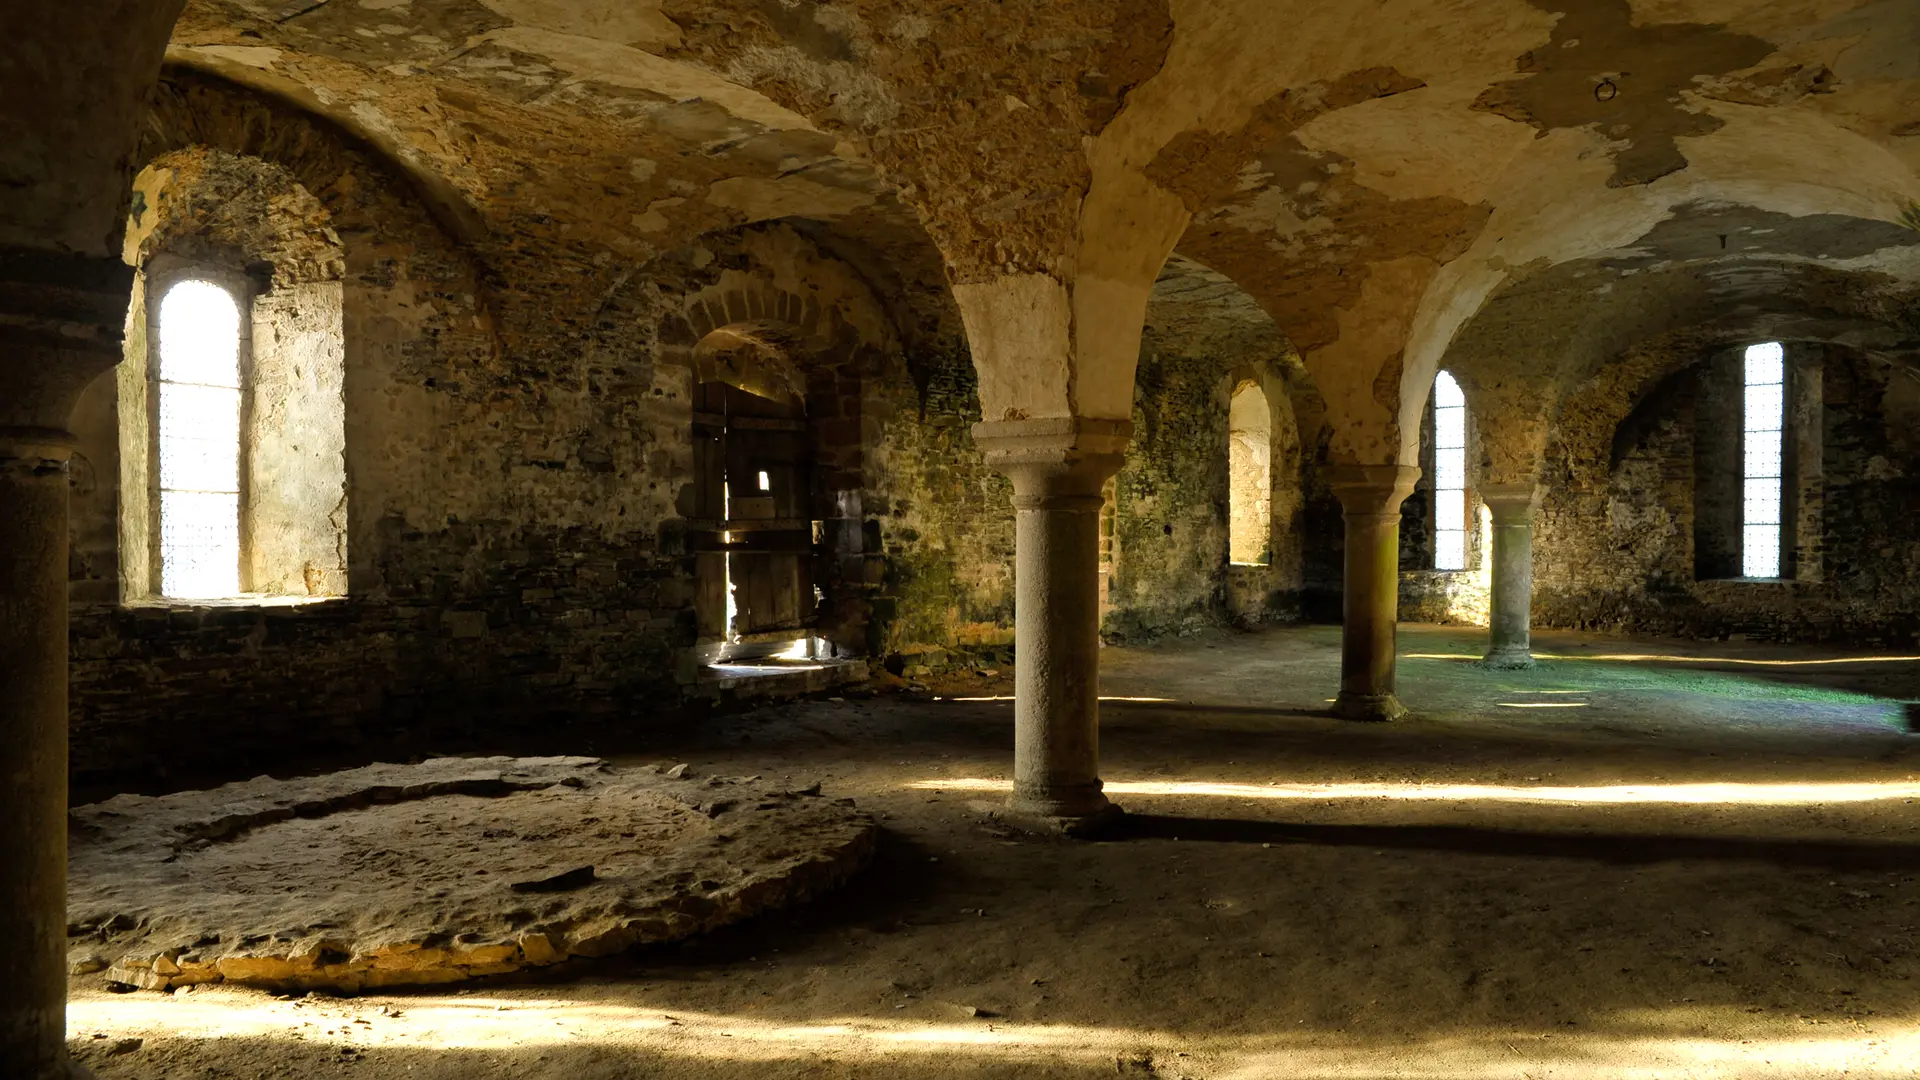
33, 758
1057, 468
60, 324
1056, 757
1371, 496
1509, 638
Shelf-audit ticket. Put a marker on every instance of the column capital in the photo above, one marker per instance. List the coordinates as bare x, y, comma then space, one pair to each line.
62, 317
1055, 461
1373, 490
1511, 503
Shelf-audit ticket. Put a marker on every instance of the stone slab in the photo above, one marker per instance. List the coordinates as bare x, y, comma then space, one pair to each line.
449, 869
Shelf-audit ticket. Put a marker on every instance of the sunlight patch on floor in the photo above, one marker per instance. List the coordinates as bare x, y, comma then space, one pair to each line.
1646, 658
1103, 697
1664, 1043
506, 1023
1691, 794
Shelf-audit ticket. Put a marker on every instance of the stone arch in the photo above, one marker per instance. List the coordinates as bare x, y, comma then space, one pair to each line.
1527, 347
778, 318
755, 304
362, 227
1259, 400
354, 181
248, 226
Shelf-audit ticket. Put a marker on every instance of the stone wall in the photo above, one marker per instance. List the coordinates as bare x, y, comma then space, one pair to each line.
1616, 542
506, 562
1172, 572
518, 460
1449, 597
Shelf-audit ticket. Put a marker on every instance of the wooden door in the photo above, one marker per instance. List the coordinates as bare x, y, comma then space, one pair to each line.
753, 451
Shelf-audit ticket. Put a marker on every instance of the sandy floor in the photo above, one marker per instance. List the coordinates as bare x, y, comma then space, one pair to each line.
1612, 866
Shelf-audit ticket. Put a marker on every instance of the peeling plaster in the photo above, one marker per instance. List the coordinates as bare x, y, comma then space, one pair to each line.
634, 69
253, 56
637, 23
757, 199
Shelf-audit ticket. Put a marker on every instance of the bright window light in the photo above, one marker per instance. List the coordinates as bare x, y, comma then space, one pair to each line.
1765, 412
765, 483
1449, 474
1249, 477
199, 441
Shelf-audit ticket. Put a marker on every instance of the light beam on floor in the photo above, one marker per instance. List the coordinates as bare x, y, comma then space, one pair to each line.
1618, 794
1654, 1043
1643, 658
1009, 697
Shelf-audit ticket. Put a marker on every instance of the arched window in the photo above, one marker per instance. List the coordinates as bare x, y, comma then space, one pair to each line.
237, 395
1249, 476
231, 400
197, 444
1449, 474
1764, 417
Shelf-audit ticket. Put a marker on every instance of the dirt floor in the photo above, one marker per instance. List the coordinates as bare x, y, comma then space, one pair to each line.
1642, 859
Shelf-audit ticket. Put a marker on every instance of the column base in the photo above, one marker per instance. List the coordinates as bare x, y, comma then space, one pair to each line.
1368, 707
1508, 659
1078, 811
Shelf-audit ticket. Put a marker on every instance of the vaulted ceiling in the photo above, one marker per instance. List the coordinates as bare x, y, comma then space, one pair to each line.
1387, 179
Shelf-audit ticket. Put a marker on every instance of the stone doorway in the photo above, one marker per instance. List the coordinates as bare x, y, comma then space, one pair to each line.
757, 539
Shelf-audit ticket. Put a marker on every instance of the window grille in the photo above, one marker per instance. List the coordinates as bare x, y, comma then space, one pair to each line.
1764, 412
199, 441
1449, 474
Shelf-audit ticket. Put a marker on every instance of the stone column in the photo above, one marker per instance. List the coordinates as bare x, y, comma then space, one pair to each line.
60, 325
1057, 467
1511, 592
1371, 496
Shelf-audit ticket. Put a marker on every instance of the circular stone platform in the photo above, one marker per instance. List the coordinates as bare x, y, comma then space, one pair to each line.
431, 873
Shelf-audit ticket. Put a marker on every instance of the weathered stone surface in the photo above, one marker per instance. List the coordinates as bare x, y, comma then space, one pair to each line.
450, 869
531, 206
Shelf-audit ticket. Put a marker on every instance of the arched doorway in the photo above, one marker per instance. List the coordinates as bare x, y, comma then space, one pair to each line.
753, 484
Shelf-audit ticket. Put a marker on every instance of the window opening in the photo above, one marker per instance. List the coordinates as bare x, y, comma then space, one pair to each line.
1109, 521
1449, 474
1764, 413
726, 543
765, 484
1249, 476
199, 441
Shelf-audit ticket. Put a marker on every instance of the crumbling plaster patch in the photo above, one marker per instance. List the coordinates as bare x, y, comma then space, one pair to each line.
638, 23
1558, 219
1205, 79
946, 107
636, 69
1624, 80
516, 146
762, 199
